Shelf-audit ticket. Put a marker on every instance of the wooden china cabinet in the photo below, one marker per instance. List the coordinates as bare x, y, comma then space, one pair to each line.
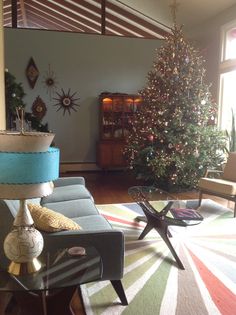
116, 109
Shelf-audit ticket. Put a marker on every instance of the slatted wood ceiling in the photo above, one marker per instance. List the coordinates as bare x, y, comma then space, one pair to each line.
108, 17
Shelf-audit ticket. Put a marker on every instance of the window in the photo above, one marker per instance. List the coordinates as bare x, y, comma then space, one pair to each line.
227, 94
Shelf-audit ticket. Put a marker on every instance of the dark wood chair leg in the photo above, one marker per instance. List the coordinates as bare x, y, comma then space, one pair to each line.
10, 305
200, 198
118, 287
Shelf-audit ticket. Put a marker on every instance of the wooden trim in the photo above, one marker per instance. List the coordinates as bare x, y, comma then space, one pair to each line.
128, 27
134, 18
82, 16
14, 13
43, 22
73, 7
22, 8
57, 20
87, 26
103, 17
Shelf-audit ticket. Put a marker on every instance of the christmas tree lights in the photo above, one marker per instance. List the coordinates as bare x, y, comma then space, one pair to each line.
174, 135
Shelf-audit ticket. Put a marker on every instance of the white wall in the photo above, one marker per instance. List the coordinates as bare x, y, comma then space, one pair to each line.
208, 36
2, 89
88, 65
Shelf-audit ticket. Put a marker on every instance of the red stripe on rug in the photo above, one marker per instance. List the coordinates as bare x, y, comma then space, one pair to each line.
131, 223
223, 298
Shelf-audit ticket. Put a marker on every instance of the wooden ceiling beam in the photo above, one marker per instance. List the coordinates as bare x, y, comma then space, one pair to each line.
7, 15
83, 3
82, 16
89, 25
7, 9
115, 30
103, 18
6, 3
134, 18
128, 26
56, 17
69, 6
45, 23
139, 20
22, 8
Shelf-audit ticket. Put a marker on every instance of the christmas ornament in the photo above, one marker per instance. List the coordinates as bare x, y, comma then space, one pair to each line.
150, 138
187, 59
196, 153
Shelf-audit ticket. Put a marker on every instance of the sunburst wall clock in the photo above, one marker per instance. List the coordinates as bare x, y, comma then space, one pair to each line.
49, 81
66, 101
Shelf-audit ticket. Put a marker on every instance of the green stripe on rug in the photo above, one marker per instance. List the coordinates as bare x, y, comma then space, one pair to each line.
146, 296
117, 210
108, 294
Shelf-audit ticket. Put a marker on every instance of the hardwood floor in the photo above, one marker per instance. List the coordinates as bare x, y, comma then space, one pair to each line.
112, 187
107, 187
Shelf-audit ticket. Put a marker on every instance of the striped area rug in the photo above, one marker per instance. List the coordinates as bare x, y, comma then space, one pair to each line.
153, 283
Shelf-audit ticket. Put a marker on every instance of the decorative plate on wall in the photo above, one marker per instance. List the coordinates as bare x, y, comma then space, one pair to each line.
66, 101
32, 73
39, 108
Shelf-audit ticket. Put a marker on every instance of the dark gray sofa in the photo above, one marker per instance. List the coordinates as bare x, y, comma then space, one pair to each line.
71, 198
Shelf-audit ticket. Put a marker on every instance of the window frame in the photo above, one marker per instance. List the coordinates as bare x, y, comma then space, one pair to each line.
225, 66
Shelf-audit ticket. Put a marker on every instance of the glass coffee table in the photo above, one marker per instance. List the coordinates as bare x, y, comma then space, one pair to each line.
50, 290
162, 210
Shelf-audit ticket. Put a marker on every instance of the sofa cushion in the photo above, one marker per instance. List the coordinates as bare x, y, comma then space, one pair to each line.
50, 221
218, 185
93, 223
230, 168
74, 208
69, 192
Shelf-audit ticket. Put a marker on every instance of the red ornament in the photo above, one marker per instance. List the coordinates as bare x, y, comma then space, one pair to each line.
151, 138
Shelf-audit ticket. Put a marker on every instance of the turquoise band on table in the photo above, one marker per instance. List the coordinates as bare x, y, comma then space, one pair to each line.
29, 167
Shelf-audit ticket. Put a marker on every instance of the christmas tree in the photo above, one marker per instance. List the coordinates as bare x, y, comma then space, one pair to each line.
14, 94
174, 136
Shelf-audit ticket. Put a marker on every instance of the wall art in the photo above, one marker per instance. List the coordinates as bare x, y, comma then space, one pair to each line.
66, 101
49, 81
32, 73
39, 108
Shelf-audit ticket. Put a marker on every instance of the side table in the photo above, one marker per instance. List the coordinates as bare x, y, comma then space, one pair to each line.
159, 219
50, 290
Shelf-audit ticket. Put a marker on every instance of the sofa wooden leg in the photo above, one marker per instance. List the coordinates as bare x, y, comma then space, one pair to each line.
118, 287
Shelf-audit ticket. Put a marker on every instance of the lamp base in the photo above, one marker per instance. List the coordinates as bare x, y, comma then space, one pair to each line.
19, 269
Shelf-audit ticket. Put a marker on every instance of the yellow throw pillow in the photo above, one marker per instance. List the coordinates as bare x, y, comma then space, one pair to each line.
50, 221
